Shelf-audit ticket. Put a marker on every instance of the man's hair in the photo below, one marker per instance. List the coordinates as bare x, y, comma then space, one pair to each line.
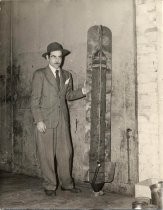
48, 54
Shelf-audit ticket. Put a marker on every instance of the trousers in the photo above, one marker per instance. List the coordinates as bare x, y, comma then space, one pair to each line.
55, 151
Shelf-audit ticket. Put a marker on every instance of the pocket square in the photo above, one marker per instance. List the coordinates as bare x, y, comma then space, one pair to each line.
67, 81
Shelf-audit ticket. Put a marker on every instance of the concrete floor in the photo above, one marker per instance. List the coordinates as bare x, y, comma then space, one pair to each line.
20, 191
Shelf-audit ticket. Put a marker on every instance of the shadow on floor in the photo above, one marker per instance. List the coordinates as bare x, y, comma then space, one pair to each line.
20, 191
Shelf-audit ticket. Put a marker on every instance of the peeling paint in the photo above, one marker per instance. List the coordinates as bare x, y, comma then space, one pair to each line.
153, 29
18, 130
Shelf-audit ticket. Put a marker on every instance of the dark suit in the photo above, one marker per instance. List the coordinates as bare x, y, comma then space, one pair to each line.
48, 104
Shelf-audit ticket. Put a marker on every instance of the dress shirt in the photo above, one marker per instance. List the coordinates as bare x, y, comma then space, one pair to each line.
54, 70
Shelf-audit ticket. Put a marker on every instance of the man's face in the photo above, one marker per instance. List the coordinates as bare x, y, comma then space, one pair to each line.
55, 59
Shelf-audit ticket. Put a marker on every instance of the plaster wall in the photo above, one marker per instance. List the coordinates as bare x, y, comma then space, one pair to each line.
5, 88
160, 82
150, 76
36, 24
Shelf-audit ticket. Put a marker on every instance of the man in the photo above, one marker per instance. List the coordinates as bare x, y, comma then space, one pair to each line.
51, 88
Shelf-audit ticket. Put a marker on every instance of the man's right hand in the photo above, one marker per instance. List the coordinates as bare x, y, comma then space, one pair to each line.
41, 126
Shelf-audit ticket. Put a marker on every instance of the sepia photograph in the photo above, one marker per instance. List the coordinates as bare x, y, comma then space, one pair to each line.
81, 104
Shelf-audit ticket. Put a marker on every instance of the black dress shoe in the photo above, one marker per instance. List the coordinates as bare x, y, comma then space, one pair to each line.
72, 190
50, 192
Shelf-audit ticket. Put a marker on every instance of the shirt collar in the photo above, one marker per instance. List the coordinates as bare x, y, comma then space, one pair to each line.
53, 69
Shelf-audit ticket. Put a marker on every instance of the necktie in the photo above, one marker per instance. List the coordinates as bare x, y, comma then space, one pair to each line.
57, 79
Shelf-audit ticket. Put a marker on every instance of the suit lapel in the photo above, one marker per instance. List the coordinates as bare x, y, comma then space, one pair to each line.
62, 79
50, 77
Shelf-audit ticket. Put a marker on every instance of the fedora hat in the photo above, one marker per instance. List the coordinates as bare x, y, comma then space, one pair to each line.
55, 46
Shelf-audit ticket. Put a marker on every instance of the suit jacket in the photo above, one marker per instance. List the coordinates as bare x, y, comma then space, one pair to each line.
47, 101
